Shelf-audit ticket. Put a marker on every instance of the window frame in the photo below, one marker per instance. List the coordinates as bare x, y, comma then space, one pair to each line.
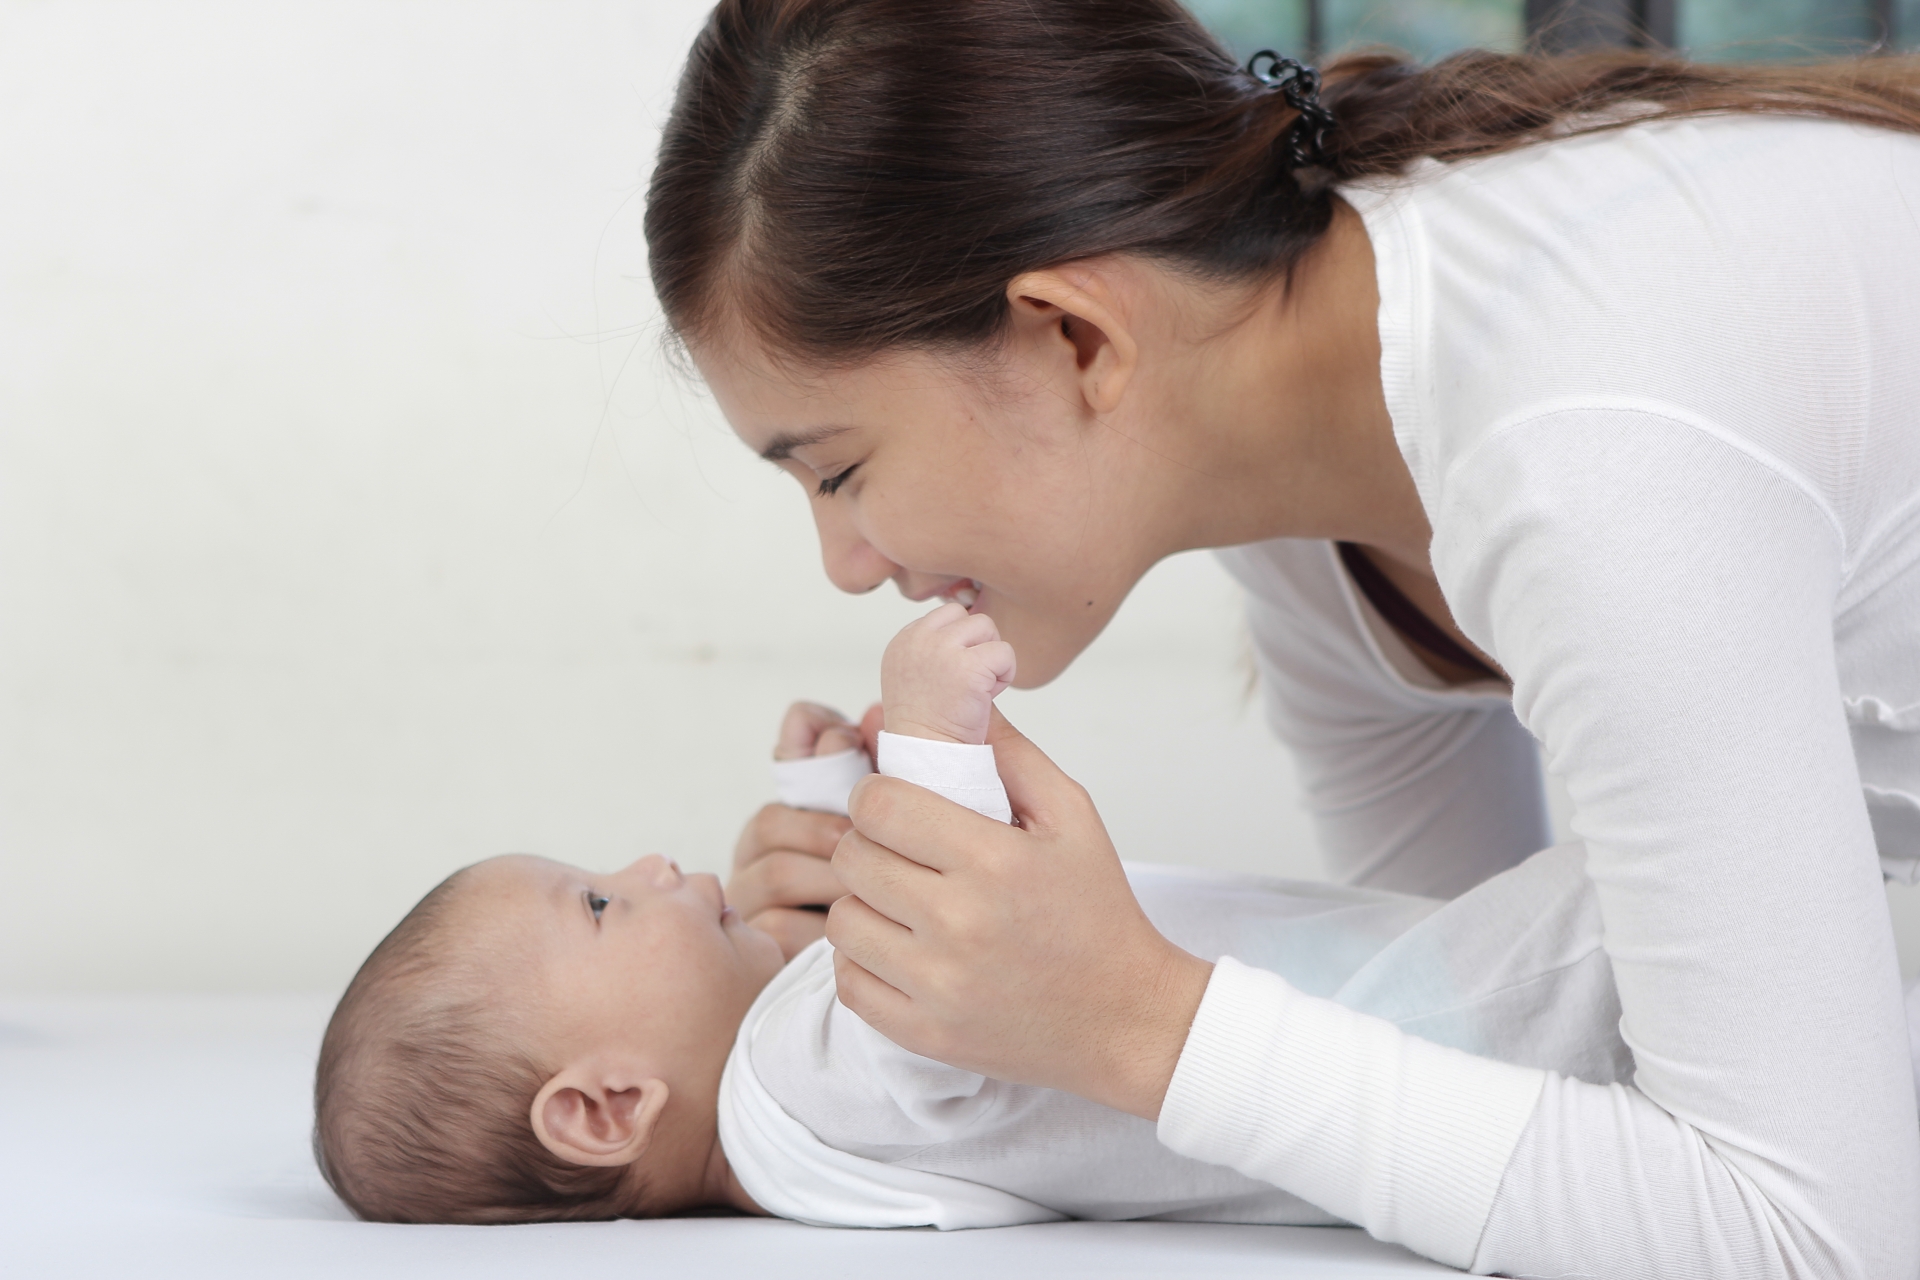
1561, 26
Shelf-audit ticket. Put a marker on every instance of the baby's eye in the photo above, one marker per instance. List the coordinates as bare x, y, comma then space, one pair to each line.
596, 904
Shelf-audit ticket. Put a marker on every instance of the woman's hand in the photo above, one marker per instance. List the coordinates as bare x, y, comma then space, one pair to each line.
781, 882
1018, 952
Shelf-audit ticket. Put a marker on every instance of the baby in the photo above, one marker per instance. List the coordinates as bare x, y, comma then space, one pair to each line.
538, 1043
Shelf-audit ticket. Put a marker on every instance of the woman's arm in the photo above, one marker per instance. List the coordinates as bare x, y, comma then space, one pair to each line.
1685, 681
1665, 604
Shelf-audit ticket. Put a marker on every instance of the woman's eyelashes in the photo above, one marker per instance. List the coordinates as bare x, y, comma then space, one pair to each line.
830, 485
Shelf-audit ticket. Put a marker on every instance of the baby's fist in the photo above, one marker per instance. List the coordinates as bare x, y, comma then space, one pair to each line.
940, 675
810, 729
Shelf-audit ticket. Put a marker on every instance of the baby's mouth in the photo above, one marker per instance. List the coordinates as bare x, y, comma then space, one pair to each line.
964, 592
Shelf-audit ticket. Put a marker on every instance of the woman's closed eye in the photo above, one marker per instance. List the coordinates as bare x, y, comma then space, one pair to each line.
830, 485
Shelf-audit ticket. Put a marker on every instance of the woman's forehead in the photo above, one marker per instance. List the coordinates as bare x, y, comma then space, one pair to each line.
765, 397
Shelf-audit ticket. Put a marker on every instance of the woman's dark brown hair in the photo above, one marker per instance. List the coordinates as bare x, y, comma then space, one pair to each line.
842, 177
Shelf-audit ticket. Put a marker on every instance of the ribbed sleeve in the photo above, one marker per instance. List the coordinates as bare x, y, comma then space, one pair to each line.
1402, 1136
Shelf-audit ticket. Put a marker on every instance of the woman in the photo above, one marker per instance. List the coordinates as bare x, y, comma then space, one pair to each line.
1571, 400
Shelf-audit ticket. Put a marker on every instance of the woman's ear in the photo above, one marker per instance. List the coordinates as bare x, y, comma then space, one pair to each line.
1074, 315
593, 1114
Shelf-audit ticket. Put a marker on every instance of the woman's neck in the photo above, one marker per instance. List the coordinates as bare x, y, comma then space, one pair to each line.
1292, 420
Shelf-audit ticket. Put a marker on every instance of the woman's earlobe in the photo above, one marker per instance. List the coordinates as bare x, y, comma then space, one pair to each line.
594, 1117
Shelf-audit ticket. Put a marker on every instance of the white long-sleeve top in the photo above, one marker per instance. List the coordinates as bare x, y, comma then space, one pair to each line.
1660, 392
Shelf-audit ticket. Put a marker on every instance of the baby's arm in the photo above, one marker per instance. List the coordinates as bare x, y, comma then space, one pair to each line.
817, 759
938, 680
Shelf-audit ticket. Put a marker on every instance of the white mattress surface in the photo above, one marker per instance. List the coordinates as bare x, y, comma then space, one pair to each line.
167, 1136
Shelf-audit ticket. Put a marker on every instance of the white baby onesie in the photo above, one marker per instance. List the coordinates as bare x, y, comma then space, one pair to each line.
962, 773
826, 1121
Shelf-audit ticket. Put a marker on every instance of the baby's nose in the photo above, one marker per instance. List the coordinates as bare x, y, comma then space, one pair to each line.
659, 870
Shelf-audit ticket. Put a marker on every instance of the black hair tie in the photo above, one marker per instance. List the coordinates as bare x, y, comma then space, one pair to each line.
1307, 138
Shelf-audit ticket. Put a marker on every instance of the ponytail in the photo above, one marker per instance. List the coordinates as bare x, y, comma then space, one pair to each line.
1392, 112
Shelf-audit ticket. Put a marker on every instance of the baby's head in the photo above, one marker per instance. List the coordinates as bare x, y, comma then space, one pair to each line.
538, 1043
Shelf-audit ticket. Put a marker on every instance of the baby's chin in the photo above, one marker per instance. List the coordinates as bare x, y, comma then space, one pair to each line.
758, 950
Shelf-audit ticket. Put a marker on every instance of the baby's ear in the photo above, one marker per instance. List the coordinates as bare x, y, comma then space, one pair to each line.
589, 1114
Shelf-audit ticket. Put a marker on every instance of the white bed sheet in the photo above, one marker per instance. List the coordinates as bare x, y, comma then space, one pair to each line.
167, 1136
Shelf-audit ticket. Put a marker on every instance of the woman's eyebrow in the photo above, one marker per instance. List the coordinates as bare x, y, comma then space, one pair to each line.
782, 446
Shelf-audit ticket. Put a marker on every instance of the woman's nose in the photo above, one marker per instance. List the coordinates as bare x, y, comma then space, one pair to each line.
852, 563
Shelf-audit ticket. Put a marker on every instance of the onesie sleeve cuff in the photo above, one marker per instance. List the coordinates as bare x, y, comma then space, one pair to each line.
1399, 1135
962, 772
820, 782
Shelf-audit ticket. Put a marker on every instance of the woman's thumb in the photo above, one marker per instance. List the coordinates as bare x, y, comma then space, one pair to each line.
1032, 779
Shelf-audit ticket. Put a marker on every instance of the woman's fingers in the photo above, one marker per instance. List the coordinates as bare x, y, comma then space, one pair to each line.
883, 881
1038, 791
795, 930
783, 879
777, 829
877, 1004
867, 940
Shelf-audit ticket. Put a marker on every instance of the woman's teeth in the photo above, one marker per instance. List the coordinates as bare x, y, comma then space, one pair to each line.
965, 593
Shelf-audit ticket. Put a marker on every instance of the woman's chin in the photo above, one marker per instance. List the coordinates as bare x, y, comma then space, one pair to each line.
1044, 646
1037, 664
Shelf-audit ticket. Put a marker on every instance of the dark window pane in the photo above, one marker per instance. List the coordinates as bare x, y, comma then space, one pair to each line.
1906, 24
1772, 29
1248, 26
1424, 28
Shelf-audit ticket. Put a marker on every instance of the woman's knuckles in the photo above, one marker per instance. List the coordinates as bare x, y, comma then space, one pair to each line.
875, 803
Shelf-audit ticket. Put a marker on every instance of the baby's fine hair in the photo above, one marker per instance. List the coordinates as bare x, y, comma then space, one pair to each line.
421, 1101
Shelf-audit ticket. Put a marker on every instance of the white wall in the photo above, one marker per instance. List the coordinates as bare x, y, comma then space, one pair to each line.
352, 527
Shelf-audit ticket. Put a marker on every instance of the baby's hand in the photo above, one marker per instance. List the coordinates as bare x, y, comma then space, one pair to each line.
810, 729
940, 675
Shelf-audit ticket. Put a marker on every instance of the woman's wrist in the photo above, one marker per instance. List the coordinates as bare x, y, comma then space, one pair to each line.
1143, 1056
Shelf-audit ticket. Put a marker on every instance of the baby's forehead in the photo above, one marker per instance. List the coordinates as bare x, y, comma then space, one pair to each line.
509, 873
502, 905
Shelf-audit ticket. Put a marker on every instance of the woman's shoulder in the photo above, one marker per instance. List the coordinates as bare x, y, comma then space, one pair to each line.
1670, 263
